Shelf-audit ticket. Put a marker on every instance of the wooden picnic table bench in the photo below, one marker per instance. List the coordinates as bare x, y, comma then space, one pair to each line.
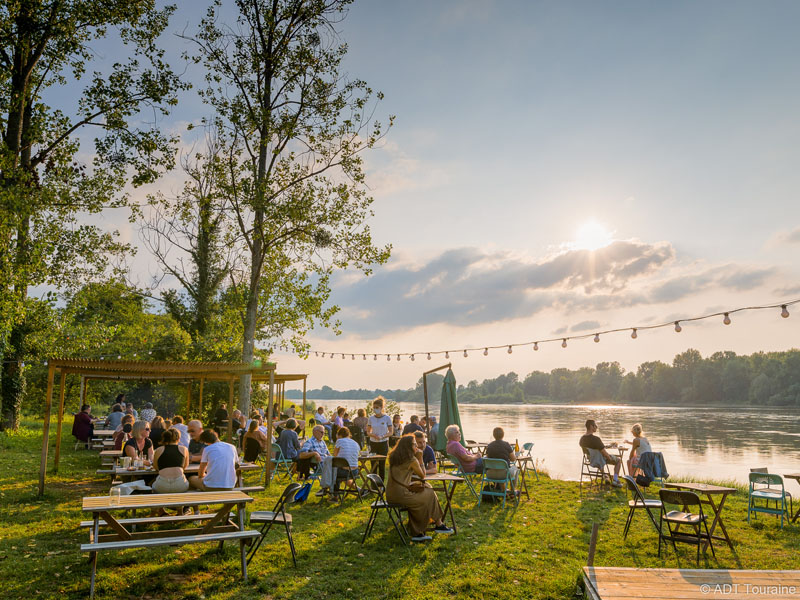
218, 527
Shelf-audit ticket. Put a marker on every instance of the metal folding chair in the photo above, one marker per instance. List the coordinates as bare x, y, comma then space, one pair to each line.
640, 502
393, 510
683, 517
277, 515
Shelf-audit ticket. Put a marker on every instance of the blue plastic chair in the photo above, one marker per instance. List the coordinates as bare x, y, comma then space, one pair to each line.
774, 491
497, 472
279, 461
527, 448
460, 472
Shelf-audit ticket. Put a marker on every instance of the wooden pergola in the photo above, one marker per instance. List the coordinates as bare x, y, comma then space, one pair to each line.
152, 370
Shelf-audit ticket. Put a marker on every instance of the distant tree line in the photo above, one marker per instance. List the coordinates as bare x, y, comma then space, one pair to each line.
724, 378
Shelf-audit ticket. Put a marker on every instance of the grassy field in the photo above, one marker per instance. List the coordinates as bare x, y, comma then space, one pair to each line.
535, 551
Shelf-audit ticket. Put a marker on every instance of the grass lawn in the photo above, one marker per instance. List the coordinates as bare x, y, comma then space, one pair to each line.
535, 551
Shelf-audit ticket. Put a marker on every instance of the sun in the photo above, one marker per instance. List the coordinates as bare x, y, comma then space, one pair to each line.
592, 236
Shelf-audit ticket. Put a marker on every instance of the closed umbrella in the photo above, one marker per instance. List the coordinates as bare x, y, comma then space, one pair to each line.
448, 414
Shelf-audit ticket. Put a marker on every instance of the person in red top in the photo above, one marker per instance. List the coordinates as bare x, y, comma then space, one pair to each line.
82, 426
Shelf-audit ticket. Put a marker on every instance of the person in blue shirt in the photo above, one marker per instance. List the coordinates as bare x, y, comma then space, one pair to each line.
413, 426
428, 456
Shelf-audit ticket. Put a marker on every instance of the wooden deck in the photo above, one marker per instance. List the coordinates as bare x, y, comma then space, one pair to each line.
618, 583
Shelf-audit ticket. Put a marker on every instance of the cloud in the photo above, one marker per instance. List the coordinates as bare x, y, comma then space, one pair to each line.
469, 286
584, 325
783, 238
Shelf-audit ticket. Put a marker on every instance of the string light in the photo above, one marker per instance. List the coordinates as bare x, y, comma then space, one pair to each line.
352, 357
634, 335
564, 343
342, 356
465, 354
784, 311
727, 319
510, 350
412, 358
678, 327
535, 345
429, 355
596, 338
447, 355
374, 357
398, 358
364, 356
388, 358
486, 352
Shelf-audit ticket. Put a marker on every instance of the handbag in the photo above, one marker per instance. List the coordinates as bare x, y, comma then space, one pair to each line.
643, 480
302, 493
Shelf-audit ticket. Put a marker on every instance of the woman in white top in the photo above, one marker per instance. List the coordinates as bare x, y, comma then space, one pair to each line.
379, 429
639, 446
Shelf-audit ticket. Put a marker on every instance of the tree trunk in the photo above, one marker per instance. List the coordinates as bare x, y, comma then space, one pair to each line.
12, 384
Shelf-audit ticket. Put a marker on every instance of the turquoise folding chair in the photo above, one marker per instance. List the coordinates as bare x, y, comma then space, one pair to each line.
497, 473
460, 472
773, 491
280, 462
527, 450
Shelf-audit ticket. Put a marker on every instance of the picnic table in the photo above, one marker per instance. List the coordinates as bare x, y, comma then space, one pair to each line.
708, 491
218, 526
131, 474
796, 477
103, 433
448, 485
114, 455
522, 463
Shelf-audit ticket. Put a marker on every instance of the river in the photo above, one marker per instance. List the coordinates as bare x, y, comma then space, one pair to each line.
705, 443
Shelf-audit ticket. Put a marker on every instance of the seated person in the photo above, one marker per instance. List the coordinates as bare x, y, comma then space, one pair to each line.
433, 433
639, 446
314, 450
323, 420
148, 413
423, 506
470, 463
500, 448
221, 418
397, 426
254, 442
347, 448
426, 455
412, 426
139, 444
170, 460
177, 423
114, 418
288, 441
82, 426
590, 441
157, 429
218, 464
195, 429
123, 434
338, 420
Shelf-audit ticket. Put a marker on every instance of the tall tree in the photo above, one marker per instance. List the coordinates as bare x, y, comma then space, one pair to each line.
45, 45
294, 128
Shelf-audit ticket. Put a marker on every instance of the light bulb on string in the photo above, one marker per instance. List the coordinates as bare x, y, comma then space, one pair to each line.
678, 327
352, 357
535, 345
412, 358
447, 354
388, 358
331, 354
364, 356
486, 352
634, 335
374, 357
316, 354
727, 319
150, 352
465, 354
510, 350
398, 358
119, 356
564, 343
429, 355
596, 338
784, 311
342, 356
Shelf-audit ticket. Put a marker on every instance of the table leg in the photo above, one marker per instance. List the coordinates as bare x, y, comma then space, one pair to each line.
718, 521
448, 495
523, 472
240, 509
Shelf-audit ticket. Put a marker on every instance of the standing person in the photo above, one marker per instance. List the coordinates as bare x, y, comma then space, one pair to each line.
639, 446
82, 425
139, 445
170, 460
427, 458
157, 429
413, 425
217, 469
148, 414
291, 411
177, 423
114, 418
423, 506
195, 429
591, 441
433, 434
379, 429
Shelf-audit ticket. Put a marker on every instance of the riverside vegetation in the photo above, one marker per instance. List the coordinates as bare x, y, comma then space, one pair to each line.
534, 551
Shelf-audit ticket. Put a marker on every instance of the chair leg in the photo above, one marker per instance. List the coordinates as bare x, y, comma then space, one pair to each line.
94, 574
369, 525
628, 522
291, 542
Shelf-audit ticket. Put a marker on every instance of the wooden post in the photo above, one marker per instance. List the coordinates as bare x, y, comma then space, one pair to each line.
46, 429
200, 396
427, 414
83, 390
61, 387
304, 401
230, 403
592, 545
189, 399
270, 412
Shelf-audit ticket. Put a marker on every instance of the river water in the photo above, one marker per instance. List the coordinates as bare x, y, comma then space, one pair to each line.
705, 443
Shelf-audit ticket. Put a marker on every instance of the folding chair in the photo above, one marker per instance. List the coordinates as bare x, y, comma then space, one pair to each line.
681, 517
393, 510
595, 475
277, 515
776, 493
279, 461
340, 464
497, 473
638, 502
527, 450
459, 471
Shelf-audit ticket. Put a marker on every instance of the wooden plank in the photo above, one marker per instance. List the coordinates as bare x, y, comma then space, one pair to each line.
155, 520
147, 535
60, 421
99, 503
169, 541
222, 515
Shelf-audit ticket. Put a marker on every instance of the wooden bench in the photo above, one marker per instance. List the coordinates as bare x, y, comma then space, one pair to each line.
150, 542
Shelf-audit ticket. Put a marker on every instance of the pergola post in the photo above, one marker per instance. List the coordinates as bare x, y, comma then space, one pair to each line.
188, 398
270, 411
230, 403
46, 429
83, 390
200, 396
61, 387
304, 401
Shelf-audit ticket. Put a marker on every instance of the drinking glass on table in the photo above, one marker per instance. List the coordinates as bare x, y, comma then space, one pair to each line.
114, 495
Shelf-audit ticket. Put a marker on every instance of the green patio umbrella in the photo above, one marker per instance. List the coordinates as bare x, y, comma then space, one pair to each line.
448, 411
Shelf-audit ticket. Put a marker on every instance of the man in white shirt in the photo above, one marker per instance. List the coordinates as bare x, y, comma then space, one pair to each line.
217, 469
177, 423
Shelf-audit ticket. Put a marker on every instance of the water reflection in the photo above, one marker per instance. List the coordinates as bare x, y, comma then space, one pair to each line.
704, 443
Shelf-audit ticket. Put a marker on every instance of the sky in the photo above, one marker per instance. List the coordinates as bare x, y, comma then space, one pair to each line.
558, 169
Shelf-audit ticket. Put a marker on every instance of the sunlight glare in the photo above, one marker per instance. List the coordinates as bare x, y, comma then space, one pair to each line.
592, 236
